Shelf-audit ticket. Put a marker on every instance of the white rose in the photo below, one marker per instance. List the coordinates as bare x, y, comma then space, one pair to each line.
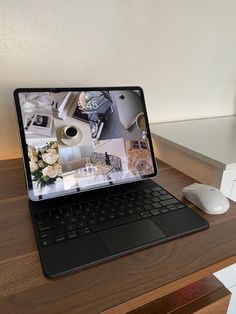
54, 145
32, 157
50, 172
58, 169
51, 150
49, 158
33, 150
33, 166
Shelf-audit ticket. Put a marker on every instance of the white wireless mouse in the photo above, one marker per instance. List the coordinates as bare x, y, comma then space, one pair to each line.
208, 198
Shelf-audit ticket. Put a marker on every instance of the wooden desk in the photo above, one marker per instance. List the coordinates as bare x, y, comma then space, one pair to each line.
162, 273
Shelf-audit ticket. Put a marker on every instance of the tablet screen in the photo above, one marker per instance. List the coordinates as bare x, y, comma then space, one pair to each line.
80, 139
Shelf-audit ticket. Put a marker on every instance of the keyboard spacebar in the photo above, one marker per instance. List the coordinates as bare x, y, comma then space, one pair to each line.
114, 223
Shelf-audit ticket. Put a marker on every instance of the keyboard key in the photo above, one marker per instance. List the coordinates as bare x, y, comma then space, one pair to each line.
173, 208
131, 211
83, 217
147, 202
148, 195
140, 197
70, 227
156, 193
81, 224
46, 241
145, 214
163, 192
78, 212
169, 202
72, 234
61, 222
102, 219
156, 188
155, 212
155, 199
59, 237
58, 230
92, 221
45, 234
156, 205
165, 197
43, 221
180, 206
122, 207
147, 191
72, 220
121, 214
57, 218
131, 205
170, 206
163, 210
88, 210
148, 207
114, 223
103, 212
44, 227
84, 231
125, 196
111, 216
113, 210
67, 214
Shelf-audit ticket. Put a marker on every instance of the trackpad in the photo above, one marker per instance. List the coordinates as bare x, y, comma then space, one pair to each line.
131, 235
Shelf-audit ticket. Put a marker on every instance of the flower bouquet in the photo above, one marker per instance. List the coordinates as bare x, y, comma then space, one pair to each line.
45, 166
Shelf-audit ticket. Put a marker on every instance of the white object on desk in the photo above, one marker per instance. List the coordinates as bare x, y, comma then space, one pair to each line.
203, 148
207, 198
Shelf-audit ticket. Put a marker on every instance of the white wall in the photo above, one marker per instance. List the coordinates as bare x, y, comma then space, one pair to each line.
183, 53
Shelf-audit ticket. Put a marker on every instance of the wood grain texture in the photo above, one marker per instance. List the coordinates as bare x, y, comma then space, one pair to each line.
198, 297
169, 288
16, 229
12, 181
150, 273
219, 306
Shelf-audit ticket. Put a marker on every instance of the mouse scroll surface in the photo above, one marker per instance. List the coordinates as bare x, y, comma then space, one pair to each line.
206, 197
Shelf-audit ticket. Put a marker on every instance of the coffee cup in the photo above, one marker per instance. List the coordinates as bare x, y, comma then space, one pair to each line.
140, 122
70, 131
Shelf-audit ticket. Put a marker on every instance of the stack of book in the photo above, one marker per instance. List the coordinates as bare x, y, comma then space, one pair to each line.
62, 104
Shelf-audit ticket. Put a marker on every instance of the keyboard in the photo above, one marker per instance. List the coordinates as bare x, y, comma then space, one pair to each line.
80, 219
